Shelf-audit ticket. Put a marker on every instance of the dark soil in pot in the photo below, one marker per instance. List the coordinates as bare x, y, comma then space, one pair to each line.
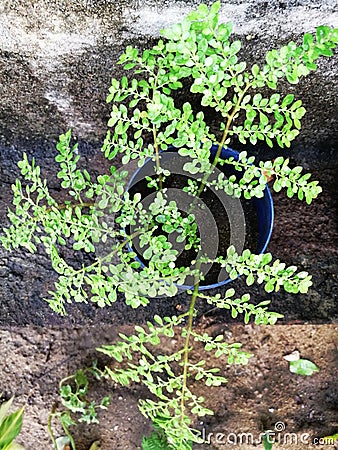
211, 202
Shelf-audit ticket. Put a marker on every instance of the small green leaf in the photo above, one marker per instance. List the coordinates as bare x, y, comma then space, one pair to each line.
303, 367
288, 99
263, 119
95, 446
15, 446
10, 428
250, 279
4, 409
255, 70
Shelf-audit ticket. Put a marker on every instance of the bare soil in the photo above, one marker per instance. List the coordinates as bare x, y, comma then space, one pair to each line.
260, 396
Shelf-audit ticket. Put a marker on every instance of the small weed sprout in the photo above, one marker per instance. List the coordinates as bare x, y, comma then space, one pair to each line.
76, 407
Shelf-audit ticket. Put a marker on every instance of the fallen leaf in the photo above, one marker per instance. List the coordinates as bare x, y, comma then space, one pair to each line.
294, 356
63, 443
95, 446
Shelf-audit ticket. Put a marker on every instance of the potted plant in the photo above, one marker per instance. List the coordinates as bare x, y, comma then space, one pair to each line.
147, 244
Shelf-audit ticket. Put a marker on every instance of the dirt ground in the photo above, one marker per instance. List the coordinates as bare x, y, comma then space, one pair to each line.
260, 396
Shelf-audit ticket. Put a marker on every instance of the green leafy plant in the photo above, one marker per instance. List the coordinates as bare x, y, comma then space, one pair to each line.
10, 426
76, 405
299, 365
331, 439
156, 440
146, 120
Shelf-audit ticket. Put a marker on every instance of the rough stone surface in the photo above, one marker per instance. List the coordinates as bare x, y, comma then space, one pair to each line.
57, 58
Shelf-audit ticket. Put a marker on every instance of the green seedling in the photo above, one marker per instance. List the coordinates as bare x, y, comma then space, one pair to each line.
303, 367
77, 407
300, 366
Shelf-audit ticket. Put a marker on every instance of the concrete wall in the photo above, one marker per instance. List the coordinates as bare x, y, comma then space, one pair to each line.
57, 58
56, 61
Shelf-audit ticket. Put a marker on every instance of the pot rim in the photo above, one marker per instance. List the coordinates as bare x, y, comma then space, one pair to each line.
266, 199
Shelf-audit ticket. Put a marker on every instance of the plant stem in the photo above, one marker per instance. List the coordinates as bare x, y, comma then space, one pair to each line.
157, 158
198, 265
157, 152
49, 427
99, 261
70, 437
187, 338
224, 137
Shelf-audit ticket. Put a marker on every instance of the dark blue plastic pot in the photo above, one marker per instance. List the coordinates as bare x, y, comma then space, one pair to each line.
263, 207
